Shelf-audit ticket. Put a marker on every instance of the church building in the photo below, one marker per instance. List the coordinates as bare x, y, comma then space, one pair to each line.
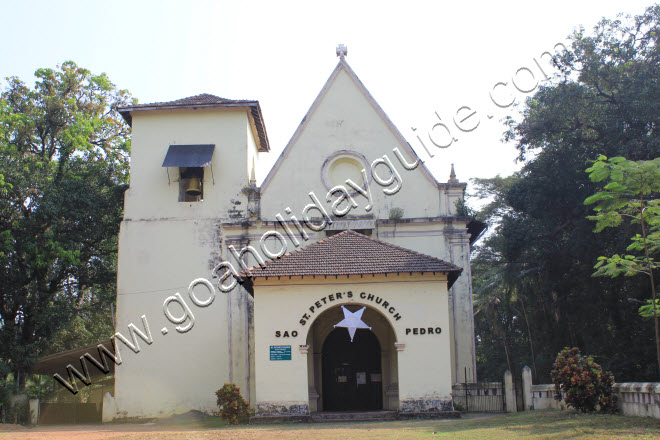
341, 283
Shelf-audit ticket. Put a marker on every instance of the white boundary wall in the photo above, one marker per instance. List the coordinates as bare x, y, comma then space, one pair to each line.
640, 399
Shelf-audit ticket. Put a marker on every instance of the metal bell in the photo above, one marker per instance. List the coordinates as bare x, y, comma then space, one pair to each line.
194, 187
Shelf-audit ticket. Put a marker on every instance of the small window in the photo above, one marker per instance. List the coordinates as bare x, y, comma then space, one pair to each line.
191, 184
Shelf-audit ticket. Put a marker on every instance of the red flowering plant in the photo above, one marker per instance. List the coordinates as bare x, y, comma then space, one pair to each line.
582, 383
233, 406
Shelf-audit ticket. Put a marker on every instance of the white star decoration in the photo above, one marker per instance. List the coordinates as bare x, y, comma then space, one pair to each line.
352, 321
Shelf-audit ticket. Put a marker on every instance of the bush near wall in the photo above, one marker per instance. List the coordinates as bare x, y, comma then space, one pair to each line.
582, 383
232, 405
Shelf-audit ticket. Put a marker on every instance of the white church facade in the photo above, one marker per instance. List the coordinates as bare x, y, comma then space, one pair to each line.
342, 282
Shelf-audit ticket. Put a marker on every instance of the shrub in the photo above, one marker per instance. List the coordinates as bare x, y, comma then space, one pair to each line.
232, 405
396, 214
582, 383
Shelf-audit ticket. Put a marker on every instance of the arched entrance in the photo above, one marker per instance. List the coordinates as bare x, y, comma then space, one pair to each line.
351, 371
352, 376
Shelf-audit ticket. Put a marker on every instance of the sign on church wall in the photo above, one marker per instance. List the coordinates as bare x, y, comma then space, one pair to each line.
280, 352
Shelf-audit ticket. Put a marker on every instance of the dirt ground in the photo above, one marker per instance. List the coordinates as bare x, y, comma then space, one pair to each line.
531, 425
152, 431
140, 432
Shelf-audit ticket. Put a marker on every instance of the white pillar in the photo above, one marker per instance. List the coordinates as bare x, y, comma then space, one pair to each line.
527, 388
509, 393
34, 411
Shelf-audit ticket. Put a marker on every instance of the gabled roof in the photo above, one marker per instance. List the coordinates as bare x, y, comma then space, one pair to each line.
343, 65
205, 100
351, 253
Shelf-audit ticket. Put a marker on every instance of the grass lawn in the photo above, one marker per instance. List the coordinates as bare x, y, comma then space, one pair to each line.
530, 425
552, 424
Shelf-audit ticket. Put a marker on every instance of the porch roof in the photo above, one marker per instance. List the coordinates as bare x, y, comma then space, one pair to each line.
351, 253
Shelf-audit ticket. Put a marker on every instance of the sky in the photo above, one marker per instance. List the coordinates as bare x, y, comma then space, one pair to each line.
436, 68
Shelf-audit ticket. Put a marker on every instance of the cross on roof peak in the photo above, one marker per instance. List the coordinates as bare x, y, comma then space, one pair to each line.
342, 51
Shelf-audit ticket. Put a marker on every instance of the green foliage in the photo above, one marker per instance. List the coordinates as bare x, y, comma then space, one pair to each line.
532, 275
632, 194
233, 406
463, 210
493, 190
582, 383
40, 390
6, 389
396, 214
249, 189
19, 412
627, 265
64, 156
651, 309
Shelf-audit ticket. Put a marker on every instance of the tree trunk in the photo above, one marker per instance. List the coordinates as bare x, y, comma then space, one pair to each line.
506, 352
19, 380
655, 306
529, 335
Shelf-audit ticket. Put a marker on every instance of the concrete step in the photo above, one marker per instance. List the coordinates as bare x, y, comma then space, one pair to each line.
353, 416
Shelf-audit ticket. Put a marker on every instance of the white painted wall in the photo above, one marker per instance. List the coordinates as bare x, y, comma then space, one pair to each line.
252, 152
344, 119
159, 258
163, 246
424, 365
150, 196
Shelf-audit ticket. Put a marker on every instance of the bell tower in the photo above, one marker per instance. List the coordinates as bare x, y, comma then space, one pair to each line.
192, 157
191, 163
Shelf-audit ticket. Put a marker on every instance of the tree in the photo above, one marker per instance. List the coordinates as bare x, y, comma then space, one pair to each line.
631, 194
500, 286
64, 155
606, 100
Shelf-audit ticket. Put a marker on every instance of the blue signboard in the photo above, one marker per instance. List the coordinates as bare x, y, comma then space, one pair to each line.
280, 352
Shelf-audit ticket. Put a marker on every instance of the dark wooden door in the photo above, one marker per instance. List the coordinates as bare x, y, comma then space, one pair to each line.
351, 371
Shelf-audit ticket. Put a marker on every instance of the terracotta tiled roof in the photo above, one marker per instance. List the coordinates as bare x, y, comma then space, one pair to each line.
205, 100
351, 253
